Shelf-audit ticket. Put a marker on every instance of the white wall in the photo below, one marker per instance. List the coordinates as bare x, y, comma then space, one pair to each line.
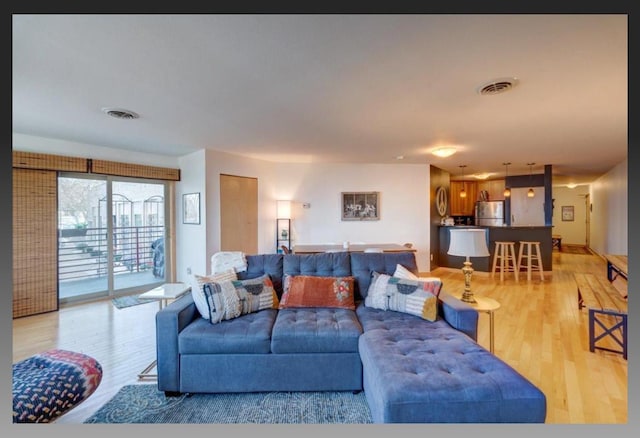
575, 232
609, 215
31, 143
191, 239
404, 203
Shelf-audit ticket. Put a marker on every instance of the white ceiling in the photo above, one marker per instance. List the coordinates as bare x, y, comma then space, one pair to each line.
333, 88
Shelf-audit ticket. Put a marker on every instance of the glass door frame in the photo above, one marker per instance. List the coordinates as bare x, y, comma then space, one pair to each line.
167, 232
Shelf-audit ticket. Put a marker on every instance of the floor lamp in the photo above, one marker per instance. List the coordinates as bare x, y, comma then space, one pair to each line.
468, 243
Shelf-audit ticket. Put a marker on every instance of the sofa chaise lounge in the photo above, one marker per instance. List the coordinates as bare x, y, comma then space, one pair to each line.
411, 370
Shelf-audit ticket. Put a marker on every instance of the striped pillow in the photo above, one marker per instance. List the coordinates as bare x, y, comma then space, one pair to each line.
197, 290
418, 298
233, 298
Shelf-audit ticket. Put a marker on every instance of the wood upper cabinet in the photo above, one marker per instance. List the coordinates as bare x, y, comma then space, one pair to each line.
463, 206
494, 187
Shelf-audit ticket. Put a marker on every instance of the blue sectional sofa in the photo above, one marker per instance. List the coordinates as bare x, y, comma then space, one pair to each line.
411, 370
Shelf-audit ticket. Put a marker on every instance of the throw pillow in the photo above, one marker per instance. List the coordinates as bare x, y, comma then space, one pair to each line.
402, 272
401, 295
313, 291
233, 298
434, 283
197, 288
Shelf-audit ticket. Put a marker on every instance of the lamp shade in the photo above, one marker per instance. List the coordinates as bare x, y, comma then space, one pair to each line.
468, 243
283, 209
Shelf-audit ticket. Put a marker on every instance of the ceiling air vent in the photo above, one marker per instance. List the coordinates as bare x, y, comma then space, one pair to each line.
497, 86
120, 113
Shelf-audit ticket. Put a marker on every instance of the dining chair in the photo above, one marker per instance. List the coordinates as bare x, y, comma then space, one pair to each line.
285, 250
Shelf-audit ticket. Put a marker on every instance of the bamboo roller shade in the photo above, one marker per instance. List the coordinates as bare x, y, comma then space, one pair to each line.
35, 245
134, 170
32, 160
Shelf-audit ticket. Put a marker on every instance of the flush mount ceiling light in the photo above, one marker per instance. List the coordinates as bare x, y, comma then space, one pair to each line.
482, 175
120, 113
444, 152
572, 185
497, 86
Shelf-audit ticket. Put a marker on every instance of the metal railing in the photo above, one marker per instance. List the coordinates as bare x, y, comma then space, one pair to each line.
82, 252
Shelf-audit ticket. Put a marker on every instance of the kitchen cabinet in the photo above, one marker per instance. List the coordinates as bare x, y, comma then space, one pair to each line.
463, 206
494, 187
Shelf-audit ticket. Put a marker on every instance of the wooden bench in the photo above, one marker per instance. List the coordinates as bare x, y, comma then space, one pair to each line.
617, 264
606, 308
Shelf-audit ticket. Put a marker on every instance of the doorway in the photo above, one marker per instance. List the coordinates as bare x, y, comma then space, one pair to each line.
587, 204
238, 214
111, 234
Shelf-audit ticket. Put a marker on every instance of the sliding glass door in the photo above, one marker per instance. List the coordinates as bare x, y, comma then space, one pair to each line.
111, 235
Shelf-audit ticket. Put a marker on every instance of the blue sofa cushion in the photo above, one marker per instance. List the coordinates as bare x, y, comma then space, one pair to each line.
364, 264
258, 265
324, 265
315, 330
250, 333
420, 371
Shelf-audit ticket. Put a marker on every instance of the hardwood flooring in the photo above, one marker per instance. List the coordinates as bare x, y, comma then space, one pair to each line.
538, 330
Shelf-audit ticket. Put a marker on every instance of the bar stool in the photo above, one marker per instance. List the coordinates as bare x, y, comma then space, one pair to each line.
534, 260
505, 252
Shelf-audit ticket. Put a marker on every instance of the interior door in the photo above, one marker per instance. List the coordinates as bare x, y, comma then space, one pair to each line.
238, 214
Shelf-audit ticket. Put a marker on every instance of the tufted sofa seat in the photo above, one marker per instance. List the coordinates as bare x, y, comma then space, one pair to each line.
423, 373
411, 370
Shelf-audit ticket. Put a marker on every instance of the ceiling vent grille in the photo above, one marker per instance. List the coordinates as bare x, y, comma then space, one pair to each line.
497, 86
120, 113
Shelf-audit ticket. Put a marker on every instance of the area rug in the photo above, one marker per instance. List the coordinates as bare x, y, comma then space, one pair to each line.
143, 403
128, 301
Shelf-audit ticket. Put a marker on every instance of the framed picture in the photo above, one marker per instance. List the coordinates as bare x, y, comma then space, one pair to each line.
191, 208
567, 212
360, 206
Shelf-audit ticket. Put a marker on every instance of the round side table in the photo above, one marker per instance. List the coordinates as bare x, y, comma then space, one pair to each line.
485, 305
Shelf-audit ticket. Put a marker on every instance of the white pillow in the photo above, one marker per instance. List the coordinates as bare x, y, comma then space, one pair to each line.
198, 293
402, 272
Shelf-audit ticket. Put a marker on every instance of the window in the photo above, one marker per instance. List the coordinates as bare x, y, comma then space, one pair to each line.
99, 257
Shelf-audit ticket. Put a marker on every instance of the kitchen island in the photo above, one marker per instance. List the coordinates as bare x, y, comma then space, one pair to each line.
540, 234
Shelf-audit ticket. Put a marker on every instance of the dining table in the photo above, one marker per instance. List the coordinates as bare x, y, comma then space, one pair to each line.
354, 247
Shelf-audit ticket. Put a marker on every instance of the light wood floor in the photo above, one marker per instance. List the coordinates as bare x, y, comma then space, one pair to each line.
538, 330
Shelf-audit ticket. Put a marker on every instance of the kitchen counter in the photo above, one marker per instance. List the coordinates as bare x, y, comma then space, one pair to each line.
515, 234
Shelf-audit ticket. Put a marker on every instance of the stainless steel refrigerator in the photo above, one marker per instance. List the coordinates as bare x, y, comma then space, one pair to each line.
490, 213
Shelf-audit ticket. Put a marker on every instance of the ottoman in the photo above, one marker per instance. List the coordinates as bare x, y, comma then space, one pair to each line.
416, 371
48, 384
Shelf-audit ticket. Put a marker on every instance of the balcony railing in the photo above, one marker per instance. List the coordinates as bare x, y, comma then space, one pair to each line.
82, 252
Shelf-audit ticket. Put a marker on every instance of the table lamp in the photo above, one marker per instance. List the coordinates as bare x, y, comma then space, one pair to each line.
468, 243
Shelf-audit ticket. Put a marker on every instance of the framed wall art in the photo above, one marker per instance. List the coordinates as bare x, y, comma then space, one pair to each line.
567, 212
191, 208
360, 206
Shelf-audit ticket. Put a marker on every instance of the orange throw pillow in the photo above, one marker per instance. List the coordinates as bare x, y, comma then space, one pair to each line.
312, 291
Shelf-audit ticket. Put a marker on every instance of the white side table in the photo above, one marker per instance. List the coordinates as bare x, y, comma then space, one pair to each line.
485, 305
164, 293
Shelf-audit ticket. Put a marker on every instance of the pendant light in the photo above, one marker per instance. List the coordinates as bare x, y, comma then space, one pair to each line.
530, 193
463, 193
507, 190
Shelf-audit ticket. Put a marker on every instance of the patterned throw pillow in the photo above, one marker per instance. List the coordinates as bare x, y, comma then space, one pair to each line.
233, 298
312, 291
197, 288
401, 295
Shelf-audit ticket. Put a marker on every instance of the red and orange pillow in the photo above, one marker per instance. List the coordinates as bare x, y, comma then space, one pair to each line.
315, 291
